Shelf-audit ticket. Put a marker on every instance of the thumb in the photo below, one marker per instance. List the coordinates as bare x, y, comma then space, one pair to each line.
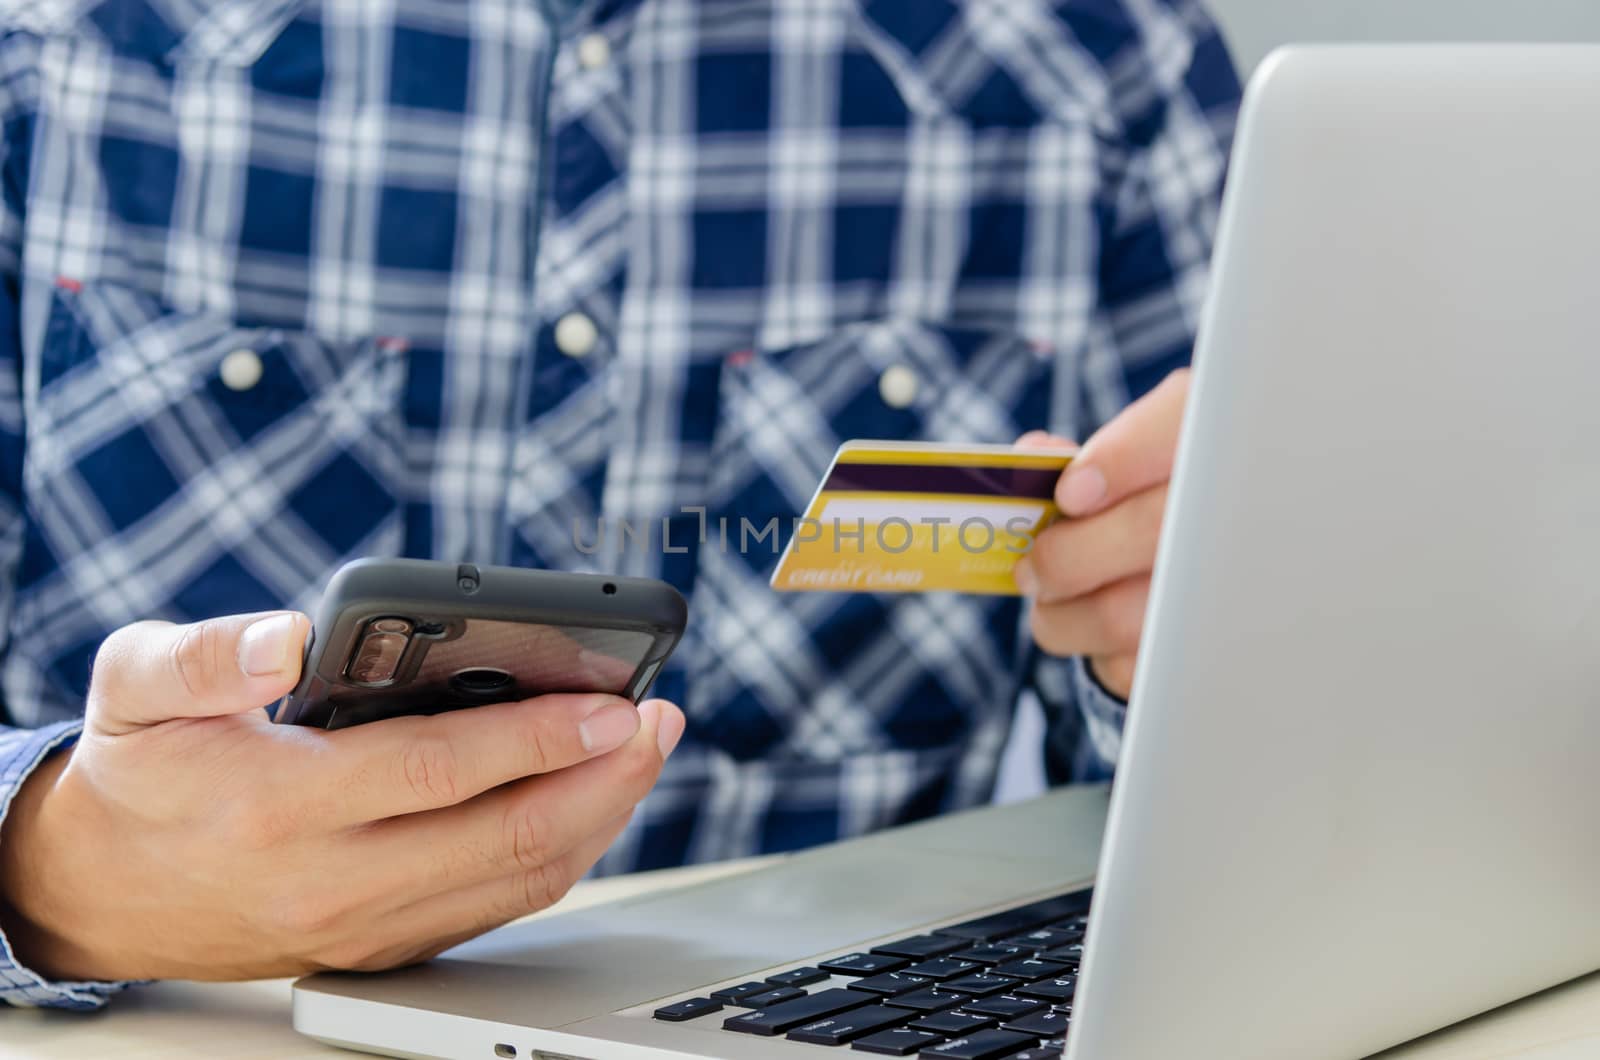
152, 672
1128, 455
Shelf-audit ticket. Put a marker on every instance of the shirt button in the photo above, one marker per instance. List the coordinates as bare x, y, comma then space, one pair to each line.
898, 386
241, 369
594, 51
576, 335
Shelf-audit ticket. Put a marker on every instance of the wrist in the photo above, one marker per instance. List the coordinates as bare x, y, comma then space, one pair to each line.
1113, 677
27, 916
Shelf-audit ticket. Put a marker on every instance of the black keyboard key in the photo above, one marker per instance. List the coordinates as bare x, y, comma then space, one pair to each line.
1046, 938
1070, 954
693, 1008
863, 964
992, 952
735, 995
980, 984
928, 999
944, 968
985, 1045
1031, 968
1038, 1052
990, 928
1058, 990
898, 1042
1004, 1006
776, 996
781, 1019
952, 1024
1024, 918
848, 1026
798, 977
920, 947
1046, 1023
891, 983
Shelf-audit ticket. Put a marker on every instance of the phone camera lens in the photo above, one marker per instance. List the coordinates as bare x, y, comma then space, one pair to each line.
609, 588
377, 657
481, 680
368, 670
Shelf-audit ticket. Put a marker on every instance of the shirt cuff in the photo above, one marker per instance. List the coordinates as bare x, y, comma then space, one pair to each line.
1103, 717
21, 751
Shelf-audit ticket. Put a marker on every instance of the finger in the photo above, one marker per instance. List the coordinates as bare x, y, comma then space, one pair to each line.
496, 902
1075, 557
414, 764
151, 672
426, 928
669, 724
1045, 440
521, 826
1106, 622
1131, 453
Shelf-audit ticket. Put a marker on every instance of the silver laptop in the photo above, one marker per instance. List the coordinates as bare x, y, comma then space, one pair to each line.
1360, 792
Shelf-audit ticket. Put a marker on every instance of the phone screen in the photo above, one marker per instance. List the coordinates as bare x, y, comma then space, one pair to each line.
409, 664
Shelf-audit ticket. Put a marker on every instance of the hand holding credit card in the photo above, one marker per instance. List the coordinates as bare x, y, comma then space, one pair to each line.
922, 517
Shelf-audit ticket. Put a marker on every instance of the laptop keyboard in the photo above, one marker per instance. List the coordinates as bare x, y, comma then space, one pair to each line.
999, 986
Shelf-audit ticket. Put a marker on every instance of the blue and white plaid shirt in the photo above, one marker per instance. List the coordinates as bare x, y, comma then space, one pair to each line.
289, 282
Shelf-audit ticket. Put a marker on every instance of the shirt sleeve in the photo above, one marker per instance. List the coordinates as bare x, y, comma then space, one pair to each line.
21, 750
1175, 99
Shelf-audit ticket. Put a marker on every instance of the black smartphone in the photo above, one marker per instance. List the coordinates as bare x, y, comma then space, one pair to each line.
401, 636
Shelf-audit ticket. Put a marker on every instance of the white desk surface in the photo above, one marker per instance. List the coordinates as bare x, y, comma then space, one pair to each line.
250, 1021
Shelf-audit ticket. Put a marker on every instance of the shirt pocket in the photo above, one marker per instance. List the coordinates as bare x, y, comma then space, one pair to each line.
781, 414
828, 675
179, 465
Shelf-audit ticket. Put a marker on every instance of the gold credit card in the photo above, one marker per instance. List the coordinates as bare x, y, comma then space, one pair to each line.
918, 517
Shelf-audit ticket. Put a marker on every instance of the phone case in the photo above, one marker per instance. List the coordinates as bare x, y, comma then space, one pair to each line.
480, 635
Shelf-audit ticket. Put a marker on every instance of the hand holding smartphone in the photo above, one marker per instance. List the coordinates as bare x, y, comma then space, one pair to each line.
512, 802
397, 637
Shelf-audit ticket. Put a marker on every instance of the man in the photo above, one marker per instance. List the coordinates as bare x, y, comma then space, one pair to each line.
288, 283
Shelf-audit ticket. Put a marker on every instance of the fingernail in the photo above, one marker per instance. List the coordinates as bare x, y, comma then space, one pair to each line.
669, 727
608, 728
1082, 490
1043, 440
270, 645
1027, 581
